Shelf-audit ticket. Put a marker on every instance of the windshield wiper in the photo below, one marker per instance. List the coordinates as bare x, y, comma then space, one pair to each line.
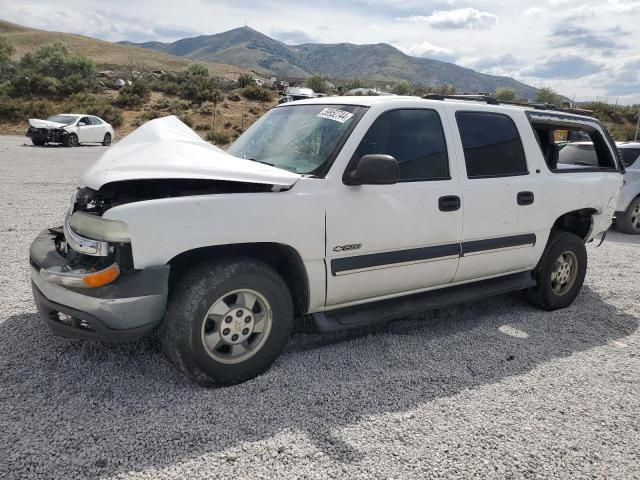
260, 161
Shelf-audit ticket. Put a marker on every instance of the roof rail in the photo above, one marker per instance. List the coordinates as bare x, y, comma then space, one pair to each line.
494, 101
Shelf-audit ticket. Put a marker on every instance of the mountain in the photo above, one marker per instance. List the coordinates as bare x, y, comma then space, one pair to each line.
104, 54
252, 50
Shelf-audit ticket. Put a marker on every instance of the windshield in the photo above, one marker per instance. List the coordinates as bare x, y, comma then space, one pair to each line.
65, 119
298, 138
629, 155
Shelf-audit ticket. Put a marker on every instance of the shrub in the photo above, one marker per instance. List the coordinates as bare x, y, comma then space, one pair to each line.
17, 109
94, 105
227, 124
218, 138
317, 83
245, 79
506, 94
198, 86
253, 92
6, 50
402, 88
176, 107
161, 104
234, 97
146, 116
186, 119
254, 111
52, 70
548, 95
207, 108
203, 126
132, 96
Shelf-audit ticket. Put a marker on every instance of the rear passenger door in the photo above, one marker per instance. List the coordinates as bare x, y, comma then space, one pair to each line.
502, 219
384, 240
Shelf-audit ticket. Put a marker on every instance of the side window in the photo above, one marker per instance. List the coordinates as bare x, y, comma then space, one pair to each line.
492, 145
630, 156
95, 121
571, 148
85, 120
415, 138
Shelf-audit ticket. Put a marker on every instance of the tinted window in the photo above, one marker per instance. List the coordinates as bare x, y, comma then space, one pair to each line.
414, 138
85, 120
629, 155
492, 145
580, 155
95, 121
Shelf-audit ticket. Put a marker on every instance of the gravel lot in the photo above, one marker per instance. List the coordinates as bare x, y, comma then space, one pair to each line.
493, 389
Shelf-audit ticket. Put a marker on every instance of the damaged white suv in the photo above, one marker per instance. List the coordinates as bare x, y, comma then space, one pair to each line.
346, 211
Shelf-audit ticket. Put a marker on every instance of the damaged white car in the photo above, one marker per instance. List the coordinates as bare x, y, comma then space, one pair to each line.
70, 129
341, 211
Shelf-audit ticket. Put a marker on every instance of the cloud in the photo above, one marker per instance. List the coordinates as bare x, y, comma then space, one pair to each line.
534, 12
461, 18
429, 50
292, 37
491, 62
566, 67
564, 36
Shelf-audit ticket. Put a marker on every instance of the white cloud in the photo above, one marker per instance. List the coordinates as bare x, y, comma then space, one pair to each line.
428, 50
534, 12
456, 19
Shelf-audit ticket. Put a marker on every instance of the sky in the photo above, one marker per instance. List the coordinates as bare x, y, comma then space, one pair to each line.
587, 49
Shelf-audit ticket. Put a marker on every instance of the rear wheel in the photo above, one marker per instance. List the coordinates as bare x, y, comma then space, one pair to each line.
560, 272
70, 140
107, 140
227, 321
629, 221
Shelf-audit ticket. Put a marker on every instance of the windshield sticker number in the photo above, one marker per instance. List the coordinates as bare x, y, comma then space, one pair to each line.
335, 114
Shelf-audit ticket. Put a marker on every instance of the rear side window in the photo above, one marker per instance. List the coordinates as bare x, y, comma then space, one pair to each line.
492, 145
572, 148
415, 138
630, 156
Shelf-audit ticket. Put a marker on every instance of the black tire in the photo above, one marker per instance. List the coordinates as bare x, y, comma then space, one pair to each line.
106, 141
70, 140
38, 142
629, 222
543, 294
194, 295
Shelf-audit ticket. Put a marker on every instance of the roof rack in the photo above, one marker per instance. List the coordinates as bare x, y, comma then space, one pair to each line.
494, 101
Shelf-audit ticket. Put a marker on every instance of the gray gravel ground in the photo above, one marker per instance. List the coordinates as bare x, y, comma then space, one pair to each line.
493, 389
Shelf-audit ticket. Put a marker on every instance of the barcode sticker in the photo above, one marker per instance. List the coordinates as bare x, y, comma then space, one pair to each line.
335, 114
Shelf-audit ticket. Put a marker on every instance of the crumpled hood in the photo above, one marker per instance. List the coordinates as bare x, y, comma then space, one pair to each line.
36, 123
165, 148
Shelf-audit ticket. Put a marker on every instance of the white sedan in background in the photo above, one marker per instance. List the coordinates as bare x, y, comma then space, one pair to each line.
70, 129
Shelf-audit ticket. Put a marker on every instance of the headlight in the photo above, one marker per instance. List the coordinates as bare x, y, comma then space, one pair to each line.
98, 228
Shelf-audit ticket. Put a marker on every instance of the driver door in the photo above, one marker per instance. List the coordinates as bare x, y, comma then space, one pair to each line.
384, 240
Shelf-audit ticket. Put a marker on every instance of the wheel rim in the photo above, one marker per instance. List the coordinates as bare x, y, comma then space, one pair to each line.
635, 217
564, 273
73, 140
107, 139
236, 326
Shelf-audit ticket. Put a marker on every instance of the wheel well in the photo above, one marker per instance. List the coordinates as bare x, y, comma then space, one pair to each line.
283, 259
578, 222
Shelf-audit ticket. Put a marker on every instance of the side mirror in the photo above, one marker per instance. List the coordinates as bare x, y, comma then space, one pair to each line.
82, 124
374, 170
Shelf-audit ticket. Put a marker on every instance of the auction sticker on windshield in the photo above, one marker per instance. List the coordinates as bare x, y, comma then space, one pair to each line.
335, 114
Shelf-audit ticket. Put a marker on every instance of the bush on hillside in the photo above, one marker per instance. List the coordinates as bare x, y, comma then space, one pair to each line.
19, 109
218, 137
132, 96
245, 79
317, 83
94, 105
197, 86
402, 88
253, 92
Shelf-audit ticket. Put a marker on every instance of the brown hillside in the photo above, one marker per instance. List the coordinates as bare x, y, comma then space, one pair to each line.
105, 54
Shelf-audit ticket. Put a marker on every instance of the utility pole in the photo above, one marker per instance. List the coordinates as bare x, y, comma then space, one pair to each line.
635, 138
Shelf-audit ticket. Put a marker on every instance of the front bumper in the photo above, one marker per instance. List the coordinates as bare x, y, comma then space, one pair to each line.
126, 309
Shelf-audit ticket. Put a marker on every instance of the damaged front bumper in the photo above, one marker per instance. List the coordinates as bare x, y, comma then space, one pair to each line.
47, 135
128, 308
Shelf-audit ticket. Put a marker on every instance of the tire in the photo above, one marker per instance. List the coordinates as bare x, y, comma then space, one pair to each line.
70, 140
107, 140
629, 222
196, 312
550, 294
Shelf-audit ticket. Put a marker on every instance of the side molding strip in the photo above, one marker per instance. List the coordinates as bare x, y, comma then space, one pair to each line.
359, 262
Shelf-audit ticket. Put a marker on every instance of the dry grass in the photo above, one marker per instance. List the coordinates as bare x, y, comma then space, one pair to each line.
106, 55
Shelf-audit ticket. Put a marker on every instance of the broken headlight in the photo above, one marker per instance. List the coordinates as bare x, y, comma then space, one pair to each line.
98, 228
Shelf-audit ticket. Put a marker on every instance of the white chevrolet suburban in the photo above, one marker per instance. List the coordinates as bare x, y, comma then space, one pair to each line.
346, 211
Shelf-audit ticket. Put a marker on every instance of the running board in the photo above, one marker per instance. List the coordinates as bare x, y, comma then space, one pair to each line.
384, 310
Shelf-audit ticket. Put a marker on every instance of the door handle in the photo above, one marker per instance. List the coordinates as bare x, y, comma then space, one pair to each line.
449, 203
525, 198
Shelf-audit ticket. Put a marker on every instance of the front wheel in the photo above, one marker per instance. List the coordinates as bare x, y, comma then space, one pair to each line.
560, 272
629, 221
106, 141
37, 142
70, 140
227, 321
